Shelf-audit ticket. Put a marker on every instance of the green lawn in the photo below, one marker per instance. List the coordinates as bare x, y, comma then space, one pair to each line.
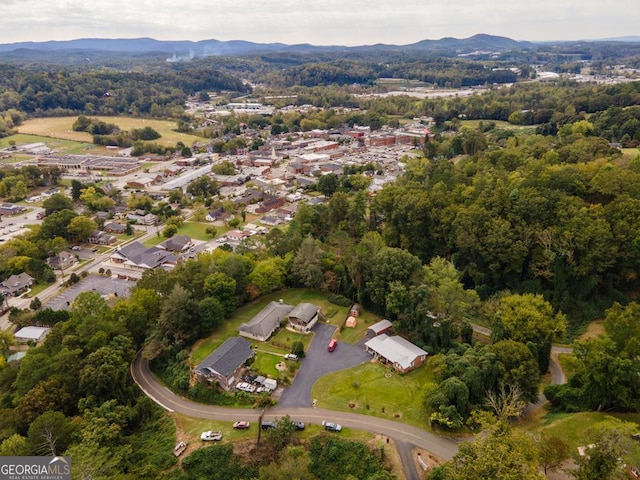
369, 389
64, 145
364, 321
37, 288
572, 427
631, 152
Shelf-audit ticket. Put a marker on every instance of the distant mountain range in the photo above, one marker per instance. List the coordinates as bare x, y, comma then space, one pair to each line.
182, 49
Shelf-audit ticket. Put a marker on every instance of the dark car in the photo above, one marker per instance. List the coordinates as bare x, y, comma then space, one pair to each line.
268, 425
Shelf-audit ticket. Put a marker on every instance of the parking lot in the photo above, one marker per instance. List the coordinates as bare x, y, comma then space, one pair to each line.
100, 284
318, 362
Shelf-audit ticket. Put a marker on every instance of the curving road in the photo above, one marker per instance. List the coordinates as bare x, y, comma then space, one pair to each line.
404, 435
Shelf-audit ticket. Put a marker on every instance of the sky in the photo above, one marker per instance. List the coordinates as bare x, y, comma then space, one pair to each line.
319, 22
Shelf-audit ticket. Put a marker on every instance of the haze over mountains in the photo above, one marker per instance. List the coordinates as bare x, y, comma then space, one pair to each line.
181, 48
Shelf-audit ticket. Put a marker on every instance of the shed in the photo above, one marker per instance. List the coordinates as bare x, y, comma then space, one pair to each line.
355, 310
383, 326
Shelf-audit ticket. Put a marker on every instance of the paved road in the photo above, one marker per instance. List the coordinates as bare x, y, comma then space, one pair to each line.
318, 362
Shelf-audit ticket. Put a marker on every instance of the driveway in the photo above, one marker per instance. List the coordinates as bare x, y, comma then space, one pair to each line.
318, 362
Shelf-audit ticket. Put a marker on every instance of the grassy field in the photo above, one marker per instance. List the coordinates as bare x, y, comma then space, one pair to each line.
64, 145
572, 427
594, 329
60, 127
631, 152
370, 389
189, 430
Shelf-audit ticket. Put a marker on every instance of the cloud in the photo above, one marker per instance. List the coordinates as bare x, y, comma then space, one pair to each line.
346, 22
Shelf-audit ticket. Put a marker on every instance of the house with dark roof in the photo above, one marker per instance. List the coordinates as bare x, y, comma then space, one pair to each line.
267, 321
101, 238
224, 365
303, 317
11, 209
137, 256
400, 353
16, 284
115, 227
177, 243
62, 260
270, 202
215, 214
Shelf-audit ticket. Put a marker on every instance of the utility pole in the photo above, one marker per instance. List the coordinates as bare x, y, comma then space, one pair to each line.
259, 428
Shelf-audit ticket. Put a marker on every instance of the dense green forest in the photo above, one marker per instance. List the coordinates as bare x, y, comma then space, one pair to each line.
155, 92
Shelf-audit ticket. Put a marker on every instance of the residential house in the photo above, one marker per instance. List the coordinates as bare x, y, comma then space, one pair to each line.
177, 243
249, 197
215, 214
62, 260
400, 353
267, 321
271, 220
16, 284
115, 227
101, 238
142, 218
270, 202
236, 235
303, 316
224, 365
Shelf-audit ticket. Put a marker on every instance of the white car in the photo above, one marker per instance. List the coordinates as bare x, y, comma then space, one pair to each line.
331, 426
246, 387
210, 435
291, 356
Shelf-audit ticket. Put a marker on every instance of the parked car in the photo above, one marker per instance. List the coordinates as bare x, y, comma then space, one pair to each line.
332, 345
299, 425
246, 387
267, 425
210, 435
291, 356
331, 426
241, 425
